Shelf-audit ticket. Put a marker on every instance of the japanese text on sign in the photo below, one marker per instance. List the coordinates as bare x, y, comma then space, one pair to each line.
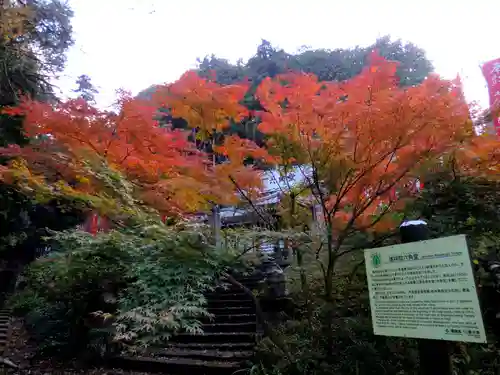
424, 289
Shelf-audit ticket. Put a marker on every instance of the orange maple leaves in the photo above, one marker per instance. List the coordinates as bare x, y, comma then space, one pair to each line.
209, 109
366, 139
171, 174
67, 134
205, 105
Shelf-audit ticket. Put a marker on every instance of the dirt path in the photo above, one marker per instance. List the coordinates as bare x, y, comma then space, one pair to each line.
19, 351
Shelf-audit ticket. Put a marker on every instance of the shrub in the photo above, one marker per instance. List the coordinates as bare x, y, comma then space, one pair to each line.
131, 287
355, 349
65, 287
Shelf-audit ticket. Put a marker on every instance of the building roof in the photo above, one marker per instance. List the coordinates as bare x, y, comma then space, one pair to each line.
276, 182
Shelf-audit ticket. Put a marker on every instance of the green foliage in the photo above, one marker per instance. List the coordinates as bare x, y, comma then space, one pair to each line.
226, 73
327, 65
26, 62
131, 287
170, 272
64, 288
355, 349
20, 75
23, 222
85, 89
50, 33
453, 204
475, 359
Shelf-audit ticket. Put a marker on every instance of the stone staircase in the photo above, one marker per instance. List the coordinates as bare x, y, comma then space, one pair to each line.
4, 329
227, 342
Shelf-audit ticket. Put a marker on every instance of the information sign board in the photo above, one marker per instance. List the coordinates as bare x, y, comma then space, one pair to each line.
424, 289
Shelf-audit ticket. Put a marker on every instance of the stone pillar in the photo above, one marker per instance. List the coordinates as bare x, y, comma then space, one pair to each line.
318, 221
216, 226
274, 277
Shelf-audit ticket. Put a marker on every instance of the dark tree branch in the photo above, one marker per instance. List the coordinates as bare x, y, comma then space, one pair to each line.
257, 211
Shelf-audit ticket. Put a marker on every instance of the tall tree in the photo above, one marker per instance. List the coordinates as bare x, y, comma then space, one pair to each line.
34, 37
362, 143
210, 110
49, 33
85, 89
327, 65
168, 172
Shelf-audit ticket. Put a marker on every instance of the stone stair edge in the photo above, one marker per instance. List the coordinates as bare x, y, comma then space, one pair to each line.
208, 345
210, 353
180, 361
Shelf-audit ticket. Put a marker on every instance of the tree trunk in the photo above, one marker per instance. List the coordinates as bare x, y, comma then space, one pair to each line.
329, 288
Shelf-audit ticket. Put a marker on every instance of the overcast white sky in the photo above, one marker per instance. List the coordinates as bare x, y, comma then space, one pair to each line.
133, 44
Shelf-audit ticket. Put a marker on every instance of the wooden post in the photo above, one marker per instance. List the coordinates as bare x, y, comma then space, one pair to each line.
434, 354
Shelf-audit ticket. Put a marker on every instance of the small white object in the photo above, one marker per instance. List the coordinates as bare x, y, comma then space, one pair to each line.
412, 222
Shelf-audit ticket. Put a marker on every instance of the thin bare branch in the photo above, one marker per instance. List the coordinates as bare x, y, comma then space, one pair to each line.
247, 198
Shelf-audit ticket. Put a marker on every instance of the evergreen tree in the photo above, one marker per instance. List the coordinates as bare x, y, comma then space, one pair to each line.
85, 89
33, 41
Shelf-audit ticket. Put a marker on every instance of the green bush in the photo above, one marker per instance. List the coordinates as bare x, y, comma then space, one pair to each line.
64, 288
355, 349
129, 287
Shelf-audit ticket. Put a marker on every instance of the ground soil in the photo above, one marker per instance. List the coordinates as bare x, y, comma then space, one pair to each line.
20, 350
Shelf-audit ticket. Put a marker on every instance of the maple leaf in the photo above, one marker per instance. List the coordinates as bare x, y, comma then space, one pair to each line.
366, 139
362, 144
72, 140
205, 105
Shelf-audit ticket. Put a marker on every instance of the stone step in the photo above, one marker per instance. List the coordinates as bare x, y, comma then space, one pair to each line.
176, 365
231, 327
223, 295
245, 280
230, 287
215, 337
4, 328
234, 290
233, 346
5, 317
249, 278
222, 311
216, 355
232, 318
229, 303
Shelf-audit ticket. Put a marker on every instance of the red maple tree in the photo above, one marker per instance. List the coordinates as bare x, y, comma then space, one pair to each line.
171, 174
362, 143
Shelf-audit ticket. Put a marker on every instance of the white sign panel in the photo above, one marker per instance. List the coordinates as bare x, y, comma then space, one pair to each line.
424, 289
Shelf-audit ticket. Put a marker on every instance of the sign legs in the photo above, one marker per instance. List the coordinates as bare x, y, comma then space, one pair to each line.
434, 354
